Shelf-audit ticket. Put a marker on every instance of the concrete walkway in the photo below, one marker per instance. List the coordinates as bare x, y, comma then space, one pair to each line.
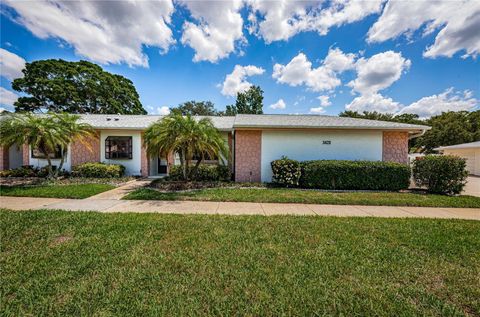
234, 208
119, 192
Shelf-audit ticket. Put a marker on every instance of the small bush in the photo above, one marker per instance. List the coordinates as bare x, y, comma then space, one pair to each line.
355, 175
286, 172
445, 174
98, 170
29, 171
205, 173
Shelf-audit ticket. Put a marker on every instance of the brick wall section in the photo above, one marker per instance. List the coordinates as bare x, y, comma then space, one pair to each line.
26, 154
248, 154
80, 153
144, 166
4, 158
395, 147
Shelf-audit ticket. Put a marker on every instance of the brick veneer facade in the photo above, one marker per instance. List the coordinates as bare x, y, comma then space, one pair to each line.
248, 155
395, 147
26, 154
144, 166
80, 153
4, 158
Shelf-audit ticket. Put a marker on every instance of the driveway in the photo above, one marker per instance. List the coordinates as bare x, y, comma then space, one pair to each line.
473, 186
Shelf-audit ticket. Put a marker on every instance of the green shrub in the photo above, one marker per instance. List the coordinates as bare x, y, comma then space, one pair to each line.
286, 172
205, 172
29, 171
440, 174
98, 170
355, 175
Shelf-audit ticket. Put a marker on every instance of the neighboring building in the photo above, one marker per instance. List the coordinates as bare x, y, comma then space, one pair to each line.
254, 141
469, 151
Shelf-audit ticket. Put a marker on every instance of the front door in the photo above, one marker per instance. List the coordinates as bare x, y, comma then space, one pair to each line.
162, 166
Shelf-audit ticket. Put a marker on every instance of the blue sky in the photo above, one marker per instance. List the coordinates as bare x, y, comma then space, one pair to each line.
308, 57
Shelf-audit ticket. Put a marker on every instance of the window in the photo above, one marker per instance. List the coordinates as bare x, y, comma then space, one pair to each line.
206, 157
57, 154
118, 147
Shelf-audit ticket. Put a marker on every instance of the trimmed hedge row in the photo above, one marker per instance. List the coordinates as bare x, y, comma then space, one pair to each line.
356, 175
205, 172
344, 175
98, 170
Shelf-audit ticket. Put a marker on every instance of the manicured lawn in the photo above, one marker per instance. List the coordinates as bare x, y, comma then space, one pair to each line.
282, 195
56, 191
64, 263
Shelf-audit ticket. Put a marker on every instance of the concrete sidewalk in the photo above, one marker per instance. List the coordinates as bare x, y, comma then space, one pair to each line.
234, 208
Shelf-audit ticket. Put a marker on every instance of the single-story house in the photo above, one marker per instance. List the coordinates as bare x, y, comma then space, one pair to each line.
469, 151
254, 141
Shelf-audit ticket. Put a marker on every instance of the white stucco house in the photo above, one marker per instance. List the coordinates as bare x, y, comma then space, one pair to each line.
253, 140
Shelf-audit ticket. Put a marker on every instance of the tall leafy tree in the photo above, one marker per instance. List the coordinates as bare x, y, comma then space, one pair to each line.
196, 108
451, 128
248, 102
47, 133
187, 137
75, 87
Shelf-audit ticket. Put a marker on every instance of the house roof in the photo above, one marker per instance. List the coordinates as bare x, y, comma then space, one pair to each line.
470, 145
140, 122
254, 121
318, 121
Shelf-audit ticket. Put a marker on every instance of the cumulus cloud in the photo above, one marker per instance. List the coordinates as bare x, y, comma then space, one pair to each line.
458, 23
449, 100
236, 82
7, 97
299, 70
218, 28
373, 102
324, 101
163, 110
11, 65
317, 110
103, 31
379, 72
280, 20
280, 104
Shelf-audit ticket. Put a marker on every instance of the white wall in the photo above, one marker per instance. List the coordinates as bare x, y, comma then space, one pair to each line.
132, 166
472, 156
36, 162
308, 145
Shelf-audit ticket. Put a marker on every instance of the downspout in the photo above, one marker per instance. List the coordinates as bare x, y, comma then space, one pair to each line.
416, 135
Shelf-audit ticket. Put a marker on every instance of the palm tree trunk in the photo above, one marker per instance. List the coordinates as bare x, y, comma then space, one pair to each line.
60, 166
195, 168
184, 164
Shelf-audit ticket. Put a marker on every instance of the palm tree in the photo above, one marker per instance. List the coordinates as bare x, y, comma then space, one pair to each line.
186, 136
47, 133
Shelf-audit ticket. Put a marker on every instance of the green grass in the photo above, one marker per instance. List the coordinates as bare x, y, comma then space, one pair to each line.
64, 263
77, 191
282, 195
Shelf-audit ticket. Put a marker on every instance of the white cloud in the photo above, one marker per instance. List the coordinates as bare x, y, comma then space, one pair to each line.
280, 104
379, 72
218, 28
280, 20
11, 65
299, 71
103, 31
373, 102
7, 97
236, 82
164, 111
324, 101
458, 23
317, 110
449, 100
